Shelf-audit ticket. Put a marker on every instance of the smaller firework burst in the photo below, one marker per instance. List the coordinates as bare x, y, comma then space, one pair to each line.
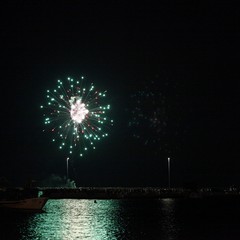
76, 114
148, 116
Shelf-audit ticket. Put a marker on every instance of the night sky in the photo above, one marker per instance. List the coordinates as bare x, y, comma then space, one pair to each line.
177, 60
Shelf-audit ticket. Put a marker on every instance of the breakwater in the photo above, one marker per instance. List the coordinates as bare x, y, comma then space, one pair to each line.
127, 193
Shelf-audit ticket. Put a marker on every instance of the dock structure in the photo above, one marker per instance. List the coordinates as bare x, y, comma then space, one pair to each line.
135, 192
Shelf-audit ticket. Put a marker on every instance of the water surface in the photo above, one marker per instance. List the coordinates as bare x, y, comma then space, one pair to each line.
127, 219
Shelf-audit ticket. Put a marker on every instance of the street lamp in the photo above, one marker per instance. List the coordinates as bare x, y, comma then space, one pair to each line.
67, 167
169, 184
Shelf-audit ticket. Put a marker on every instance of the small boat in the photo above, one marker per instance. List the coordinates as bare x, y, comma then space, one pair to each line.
22, 199
36, 204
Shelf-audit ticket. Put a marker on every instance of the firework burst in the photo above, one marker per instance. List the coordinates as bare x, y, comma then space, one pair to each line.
148, 115
76, 115
156, 116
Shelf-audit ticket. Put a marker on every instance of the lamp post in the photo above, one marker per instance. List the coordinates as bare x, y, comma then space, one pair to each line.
169, 183
67, 167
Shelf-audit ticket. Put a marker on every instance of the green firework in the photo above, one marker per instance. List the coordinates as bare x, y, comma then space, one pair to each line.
76, 115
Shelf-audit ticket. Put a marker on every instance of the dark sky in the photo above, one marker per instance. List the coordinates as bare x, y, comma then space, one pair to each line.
185, 52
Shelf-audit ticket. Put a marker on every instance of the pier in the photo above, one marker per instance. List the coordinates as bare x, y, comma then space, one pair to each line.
128, 193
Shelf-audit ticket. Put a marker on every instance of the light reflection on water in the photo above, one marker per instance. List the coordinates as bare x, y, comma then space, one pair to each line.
163, 219
75, 219
106, 219
169, 224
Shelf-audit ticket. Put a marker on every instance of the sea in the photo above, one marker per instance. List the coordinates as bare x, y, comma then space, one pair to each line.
175, 219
